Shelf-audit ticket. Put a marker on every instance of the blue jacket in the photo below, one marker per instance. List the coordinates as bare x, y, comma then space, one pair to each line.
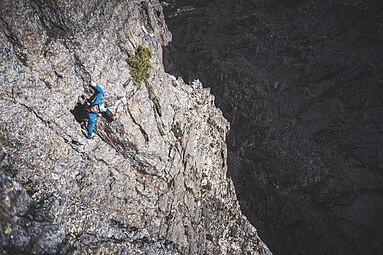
91, 115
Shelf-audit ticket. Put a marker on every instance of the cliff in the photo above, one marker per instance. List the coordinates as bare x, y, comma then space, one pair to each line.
152, 182
301, 84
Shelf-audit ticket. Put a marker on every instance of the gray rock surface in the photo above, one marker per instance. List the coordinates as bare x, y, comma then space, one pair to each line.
152, 182
301, 85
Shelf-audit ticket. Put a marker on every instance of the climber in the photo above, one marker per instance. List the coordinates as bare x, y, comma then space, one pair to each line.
94, 107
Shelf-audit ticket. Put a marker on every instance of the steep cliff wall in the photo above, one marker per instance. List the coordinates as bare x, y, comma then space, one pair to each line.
301, 84
152, 182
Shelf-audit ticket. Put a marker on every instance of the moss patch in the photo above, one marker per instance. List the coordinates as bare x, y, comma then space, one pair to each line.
8, 230
209, 237
207, 186
177, 131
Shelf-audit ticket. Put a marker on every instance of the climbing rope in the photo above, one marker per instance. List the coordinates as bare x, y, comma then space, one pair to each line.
134, 170
110, 141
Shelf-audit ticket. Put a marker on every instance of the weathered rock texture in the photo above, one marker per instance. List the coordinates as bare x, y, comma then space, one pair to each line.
161, 190
301, 83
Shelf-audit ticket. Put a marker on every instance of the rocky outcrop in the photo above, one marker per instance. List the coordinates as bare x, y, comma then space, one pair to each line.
152, 182
301, 84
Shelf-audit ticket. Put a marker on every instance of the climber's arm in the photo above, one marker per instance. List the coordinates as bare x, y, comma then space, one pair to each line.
98, 96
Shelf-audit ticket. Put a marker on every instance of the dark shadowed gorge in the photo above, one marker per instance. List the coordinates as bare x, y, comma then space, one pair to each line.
301, 83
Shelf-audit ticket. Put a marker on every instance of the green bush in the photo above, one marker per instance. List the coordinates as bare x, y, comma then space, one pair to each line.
139, 64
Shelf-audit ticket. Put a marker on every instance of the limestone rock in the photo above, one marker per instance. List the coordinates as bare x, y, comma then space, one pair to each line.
152, 182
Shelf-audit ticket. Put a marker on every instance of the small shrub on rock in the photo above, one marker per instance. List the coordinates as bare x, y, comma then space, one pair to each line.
139, 64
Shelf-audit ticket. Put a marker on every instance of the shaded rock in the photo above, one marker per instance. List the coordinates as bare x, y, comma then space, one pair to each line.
301, 85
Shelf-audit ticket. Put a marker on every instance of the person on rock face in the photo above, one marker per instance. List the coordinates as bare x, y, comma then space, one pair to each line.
94, 107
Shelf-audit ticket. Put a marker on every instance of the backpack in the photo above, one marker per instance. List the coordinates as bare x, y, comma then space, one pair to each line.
108, 115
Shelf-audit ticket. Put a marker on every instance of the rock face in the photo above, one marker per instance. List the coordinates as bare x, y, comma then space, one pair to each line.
152, 182
301, 85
